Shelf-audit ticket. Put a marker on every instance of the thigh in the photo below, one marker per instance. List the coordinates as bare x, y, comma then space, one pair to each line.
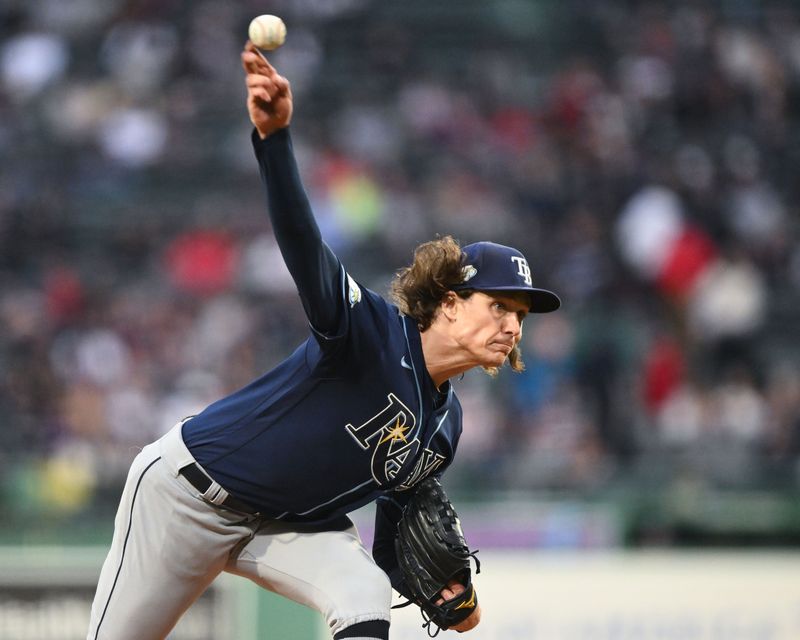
168, 546
330, 571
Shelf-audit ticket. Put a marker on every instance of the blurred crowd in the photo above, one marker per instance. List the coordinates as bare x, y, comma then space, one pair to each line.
641, 154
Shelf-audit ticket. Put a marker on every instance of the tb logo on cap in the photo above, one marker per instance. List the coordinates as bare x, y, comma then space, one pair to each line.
523, 270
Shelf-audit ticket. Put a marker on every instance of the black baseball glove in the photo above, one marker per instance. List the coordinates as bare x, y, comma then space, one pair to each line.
432, 552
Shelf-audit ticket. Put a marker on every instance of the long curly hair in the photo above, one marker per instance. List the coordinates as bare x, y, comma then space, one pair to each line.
419, 289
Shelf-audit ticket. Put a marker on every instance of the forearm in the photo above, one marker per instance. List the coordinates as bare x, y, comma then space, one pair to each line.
313, 266
387, 515
289, 207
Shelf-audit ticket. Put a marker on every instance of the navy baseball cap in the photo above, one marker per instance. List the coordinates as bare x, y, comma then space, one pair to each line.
495, 267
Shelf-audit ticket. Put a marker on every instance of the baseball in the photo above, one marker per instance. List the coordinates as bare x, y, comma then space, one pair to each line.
267, 32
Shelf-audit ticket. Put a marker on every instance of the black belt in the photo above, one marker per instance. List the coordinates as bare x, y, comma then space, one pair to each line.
202, 482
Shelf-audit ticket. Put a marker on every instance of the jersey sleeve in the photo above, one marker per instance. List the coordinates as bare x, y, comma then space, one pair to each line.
317, 272
388, 511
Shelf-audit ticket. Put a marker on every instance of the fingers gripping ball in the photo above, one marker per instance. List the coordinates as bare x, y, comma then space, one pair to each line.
267, 32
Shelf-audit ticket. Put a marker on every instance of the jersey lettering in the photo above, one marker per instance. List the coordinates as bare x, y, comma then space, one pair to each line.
428, 462
396, 418
387, 434
388, 461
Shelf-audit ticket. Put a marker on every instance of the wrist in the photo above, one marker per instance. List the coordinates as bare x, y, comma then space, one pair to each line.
266, 133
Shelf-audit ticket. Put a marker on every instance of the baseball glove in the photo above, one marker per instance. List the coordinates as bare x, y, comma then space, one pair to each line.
432, 552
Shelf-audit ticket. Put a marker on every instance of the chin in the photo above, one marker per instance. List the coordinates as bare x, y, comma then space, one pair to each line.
496, 360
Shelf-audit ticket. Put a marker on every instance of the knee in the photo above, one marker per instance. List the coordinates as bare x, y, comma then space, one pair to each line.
360, 596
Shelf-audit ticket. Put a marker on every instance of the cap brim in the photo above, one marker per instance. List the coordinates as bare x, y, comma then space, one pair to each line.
542, 300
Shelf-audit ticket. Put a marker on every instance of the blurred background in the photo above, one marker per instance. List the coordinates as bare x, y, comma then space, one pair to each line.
642, 154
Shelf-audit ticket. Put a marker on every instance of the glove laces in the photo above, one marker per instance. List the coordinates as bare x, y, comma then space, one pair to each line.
429, 624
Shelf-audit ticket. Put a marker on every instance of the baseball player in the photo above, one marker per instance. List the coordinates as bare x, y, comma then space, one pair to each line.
260, 483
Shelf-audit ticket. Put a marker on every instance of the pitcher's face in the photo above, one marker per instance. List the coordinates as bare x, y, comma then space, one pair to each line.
488, 325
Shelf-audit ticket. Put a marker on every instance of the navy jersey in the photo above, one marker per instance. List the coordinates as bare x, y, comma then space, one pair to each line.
352, 415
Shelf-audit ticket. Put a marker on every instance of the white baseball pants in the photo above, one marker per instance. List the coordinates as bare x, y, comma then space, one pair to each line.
169, 544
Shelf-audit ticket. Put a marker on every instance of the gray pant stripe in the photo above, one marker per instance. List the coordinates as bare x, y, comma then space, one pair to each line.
124, 546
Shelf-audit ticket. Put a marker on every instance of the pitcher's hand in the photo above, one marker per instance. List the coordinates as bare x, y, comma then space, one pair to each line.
455, 589
269, 96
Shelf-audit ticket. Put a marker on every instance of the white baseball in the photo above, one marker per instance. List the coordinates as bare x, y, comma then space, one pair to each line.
267, 32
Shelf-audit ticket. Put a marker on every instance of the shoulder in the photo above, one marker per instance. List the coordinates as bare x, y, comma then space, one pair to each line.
360, 297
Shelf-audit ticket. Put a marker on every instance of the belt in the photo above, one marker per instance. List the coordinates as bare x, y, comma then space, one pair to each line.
200, 481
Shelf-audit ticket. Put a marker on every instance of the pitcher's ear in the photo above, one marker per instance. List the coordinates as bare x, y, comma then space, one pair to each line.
449, 305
